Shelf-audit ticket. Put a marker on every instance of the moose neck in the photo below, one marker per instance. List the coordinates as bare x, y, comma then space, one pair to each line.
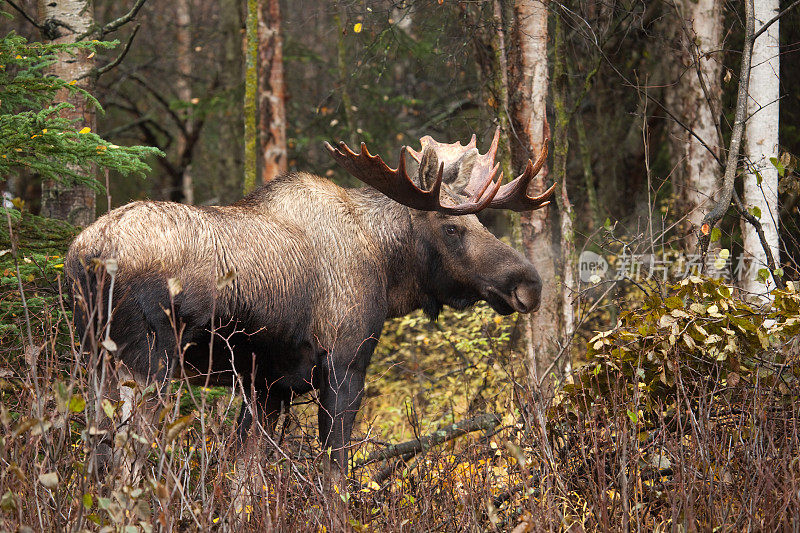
390, 225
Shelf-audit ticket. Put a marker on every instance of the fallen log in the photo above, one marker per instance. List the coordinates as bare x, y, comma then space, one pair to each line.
408, 449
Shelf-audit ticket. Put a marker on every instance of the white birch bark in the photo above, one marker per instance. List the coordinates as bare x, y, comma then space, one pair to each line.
183, 20
73, 203
761, 144
697, 173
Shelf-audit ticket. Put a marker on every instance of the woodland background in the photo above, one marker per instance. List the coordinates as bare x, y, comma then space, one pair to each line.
682, 413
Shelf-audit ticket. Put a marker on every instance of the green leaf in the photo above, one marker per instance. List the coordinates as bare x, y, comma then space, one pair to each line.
8, 502
778, 165
88, 501
715, 234
77, 404
755, 211
763, 275
633, 415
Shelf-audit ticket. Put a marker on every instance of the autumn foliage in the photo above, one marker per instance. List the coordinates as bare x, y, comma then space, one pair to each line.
684, 415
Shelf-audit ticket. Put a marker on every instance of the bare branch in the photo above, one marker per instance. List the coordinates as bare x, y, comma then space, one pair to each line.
24, 15
753, 221
114, 24
775, 19
97, 72
179, 121
724, 201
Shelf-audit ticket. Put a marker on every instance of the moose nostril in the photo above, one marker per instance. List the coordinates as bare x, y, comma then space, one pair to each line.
527, 296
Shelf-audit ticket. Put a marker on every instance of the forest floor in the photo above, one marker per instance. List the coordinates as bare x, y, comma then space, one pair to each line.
684, 416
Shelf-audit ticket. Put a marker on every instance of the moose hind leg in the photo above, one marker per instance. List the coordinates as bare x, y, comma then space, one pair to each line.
268, 407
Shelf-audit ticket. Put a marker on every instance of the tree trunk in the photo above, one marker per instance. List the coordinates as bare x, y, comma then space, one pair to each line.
568, 260
230, 130
761, 144
271, 96
73, 203
183, 84
528, 91
696, 100
250, 90
343, 65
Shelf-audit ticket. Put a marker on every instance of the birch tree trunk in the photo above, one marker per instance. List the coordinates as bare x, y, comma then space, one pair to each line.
696, 100
527, 94
183, 84
70, 18
761, 144
271, 95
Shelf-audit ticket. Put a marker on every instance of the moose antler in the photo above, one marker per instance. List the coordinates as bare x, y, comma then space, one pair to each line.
481, 188
514, 195
397, 185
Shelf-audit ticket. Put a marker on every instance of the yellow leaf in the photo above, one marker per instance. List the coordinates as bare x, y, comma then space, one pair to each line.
175, 428
371, 486
86, 129
73, 82
108, 408
357, 27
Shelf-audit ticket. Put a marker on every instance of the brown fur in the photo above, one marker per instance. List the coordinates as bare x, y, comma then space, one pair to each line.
318, 269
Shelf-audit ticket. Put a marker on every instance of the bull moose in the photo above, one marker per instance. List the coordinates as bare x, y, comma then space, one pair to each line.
314, 270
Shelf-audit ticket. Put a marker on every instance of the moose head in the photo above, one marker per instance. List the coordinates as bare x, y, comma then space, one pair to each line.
445, 185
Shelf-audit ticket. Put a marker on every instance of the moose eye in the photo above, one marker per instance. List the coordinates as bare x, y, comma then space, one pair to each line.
450, 229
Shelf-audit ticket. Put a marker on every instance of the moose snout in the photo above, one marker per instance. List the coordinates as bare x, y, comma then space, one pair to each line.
527, 295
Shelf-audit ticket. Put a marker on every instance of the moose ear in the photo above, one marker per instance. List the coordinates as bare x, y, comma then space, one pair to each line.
458, 179
428, 169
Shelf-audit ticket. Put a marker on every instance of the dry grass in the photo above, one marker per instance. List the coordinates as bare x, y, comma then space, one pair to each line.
708, 462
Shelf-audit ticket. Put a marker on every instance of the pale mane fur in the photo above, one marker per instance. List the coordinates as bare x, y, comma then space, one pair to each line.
293, 238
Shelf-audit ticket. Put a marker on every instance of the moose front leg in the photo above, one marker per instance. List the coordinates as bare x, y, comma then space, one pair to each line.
340, 398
